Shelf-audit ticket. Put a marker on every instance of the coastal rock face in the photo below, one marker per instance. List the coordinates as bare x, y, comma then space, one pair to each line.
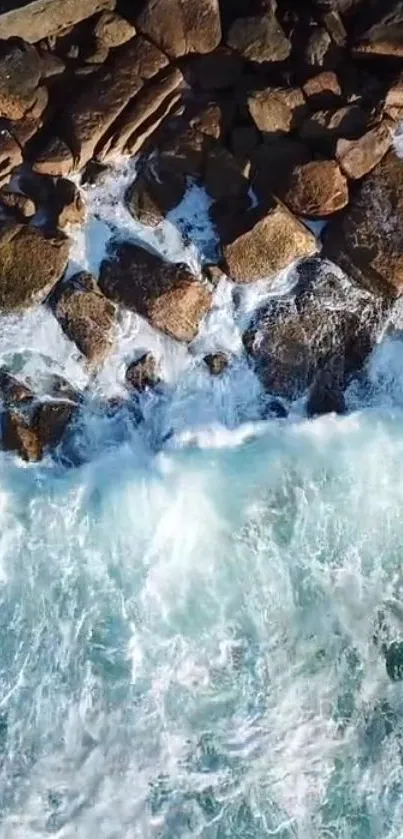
166, 294
328, 325
179, 27
31, 262
316, 189
267, 247
85, 315
367, 241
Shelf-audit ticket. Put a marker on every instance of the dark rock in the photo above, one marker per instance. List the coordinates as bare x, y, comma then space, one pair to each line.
217, 70
31, 261
328, 324
358, 157
326, 396
20, 73
150, 198
323, 90
273, 163
259, 39
382, 32
183, 151
85, 316
167, 294
214, 119
68, 203
55, 159
275, 408
320, 50
316, 189
216, 362
17, 201
142, 374
97, 53
324, 128
367, 241
244, 139
10, 154
95, 173
179, 27
223, 177
394, 661
51, 64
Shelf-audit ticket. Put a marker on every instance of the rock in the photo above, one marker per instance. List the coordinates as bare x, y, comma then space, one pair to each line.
143, 373
213, 119
274, 408
327, 324
358, 157
113, 30
259, 39
183, 151
394, 660
23, 205
31, 261
55, 159
367, 241
384, 35
217, 70
167, 294
12, 390
67, 203
20, 73
10, 154
269, 246
85, 316
95, 173
273, 164
223, 177
335, 27
34, 22
97, 54
149, 199
276, 111
324, 128
216, 362
244, 140
51, 64
179, 27
326, 396
394, 96
319, 50
316, 189
323, 90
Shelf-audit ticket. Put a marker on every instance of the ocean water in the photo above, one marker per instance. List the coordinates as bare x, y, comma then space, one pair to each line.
188, 618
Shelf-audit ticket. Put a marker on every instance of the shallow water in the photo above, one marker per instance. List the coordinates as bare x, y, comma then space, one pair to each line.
187, 619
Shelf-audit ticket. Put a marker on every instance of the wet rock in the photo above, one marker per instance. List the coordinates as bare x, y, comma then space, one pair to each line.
55, 159
367, 241
95, 173
394, 96
22, 204
326, 396
142, 374
183, 151
217, 70
274, 408
179, 27
268, 246
20, 73
323, 90
324, 128
85, 316
276, 111
358, 157
216, 362
273, 163
113, 30
328, 324
31, 261
68, 204
316, 189
166, 294
260, 39
149, 199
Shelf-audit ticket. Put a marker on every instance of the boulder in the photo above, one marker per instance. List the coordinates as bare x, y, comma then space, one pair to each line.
67, 203
216, 362
266, 247
85, 316
17, 201
358, 157
326, 396
179, 27
31, 261
367, 240
244, 140
320, 51
316, 189
20, 73
113, 30
223, 177
381, 33
324, 128
326, 324
276, 111
394, 96
183, 151
149, 198
36, 21
260, 39
323, 91
55, 159
166, 294
213, 119
273, 163
142, 374
217, 70
10, 154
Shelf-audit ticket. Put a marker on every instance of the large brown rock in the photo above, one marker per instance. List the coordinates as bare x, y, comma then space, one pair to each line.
113, 30
323, 90
358, 157
260, 38
326, 325
55, 159
273, 164
367, 241
36, 21
20, 73
31, 261
316, 189
10, 154
167, 294
181, 26
276, 111
267, 247
85, 316
382, 32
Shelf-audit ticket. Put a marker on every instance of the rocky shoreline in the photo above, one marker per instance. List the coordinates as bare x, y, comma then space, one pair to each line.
285, 115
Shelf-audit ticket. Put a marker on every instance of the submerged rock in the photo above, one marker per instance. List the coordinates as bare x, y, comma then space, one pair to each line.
85, 315
216, 362
142, 374
326, 396
31, 262
167, 294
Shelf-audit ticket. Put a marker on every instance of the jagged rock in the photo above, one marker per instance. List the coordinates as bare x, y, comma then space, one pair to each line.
167, 294
259, 38
316, 189
384, 35
85, 316
367, 241
51, 64
327, 324
31, 261
214, 119
335, 27
67, 203
326, 396
34, 22
149, 199
358, 157
97, 54
142, 374
323, 90
20, 73
276, 111
394, 96
179, 27
216, 362
270, 245
95, 173
10, 154
217, 70
324, 128
319, 50
113, 30
183, 151
17, 201
223, 177
273, 163
55, 159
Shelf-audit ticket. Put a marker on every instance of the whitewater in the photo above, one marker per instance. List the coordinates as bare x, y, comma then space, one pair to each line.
188, 607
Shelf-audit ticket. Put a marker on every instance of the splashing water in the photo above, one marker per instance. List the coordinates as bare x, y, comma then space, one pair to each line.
187, 631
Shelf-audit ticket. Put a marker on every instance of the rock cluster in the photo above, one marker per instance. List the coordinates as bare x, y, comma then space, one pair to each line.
284, 112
